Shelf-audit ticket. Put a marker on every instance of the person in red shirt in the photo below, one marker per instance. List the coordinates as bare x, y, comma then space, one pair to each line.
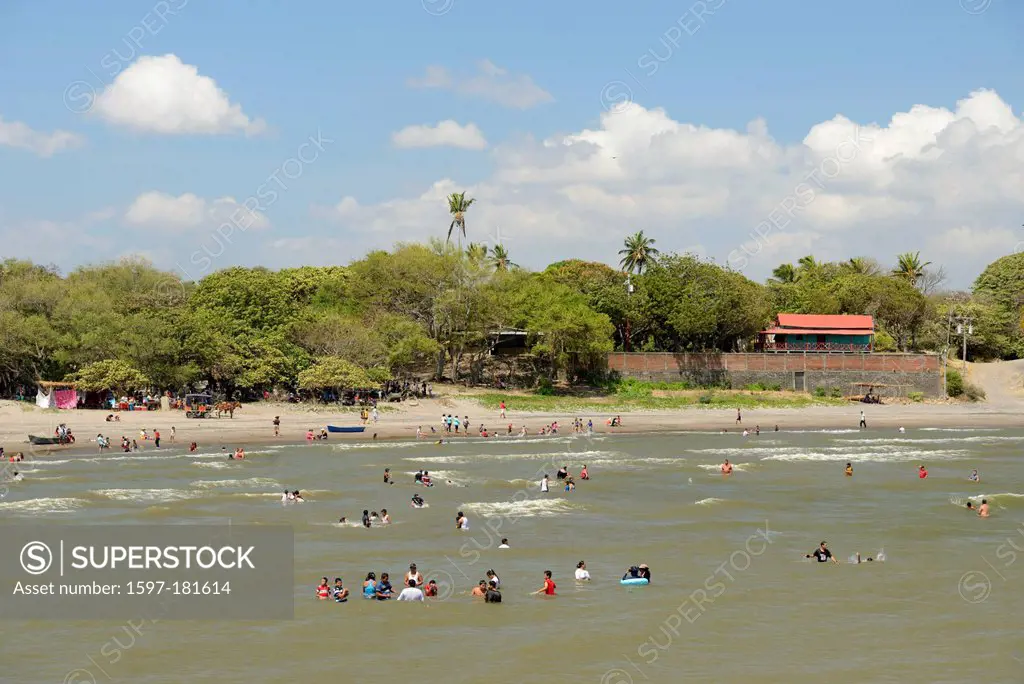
921, 472
549, 585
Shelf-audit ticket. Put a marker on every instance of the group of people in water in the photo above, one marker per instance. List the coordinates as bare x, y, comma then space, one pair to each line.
563, 476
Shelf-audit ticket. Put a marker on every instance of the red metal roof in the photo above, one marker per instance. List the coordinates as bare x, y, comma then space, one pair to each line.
843, 323
816, 331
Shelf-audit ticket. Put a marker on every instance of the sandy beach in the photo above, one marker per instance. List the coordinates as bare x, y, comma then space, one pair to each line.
253, 423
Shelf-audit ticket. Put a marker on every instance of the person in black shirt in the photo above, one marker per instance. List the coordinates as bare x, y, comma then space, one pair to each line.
822, 554
492, 594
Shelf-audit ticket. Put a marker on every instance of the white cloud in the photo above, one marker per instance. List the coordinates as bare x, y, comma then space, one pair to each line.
931, 179
20, 135
491, 83
446, 133
164, 95
160, 210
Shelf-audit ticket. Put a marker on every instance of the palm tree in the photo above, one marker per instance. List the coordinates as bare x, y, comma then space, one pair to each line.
784, 273
639, 253
458, 205
807, 263
476, 252
500, 259
909, 266
861, 266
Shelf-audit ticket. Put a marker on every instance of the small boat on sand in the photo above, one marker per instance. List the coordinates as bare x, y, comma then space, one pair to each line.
356, 428
44, 440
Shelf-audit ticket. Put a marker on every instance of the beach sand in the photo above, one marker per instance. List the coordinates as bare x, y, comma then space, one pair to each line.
253, 423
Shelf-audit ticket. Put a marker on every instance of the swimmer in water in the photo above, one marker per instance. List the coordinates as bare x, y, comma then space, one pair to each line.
983, 509
584, 474
504, 544
849, 470
970, 505
417, 501
902, 429
297, 497
549, 585
342, 520
385, 519
480, 589
974, 477
387, 476
822, 554
921, 472
366, 518
582, 574
727, 467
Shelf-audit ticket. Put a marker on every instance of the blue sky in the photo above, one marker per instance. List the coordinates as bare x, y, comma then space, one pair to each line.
343, 69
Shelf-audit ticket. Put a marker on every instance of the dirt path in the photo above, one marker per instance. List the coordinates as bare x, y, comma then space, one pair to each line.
1001, 380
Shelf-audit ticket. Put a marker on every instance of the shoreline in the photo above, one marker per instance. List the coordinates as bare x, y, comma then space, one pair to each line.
252, 426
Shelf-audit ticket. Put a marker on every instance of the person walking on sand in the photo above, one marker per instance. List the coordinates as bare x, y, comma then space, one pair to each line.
375, 415
863, 420
739, 417
502, 407
277, 426
172, 434
156, 438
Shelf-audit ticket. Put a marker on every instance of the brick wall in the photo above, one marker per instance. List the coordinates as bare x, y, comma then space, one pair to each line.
902, 373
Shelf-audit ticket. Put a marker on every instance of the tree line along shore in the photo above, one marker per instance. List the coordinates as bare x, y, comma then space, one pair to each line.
429, 311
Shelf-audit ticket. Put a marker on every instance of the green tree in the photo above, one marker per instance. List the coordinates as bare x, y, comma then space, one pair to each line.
910, 267
115, 375
784, 273
332, 373
458, 205
639, 253
500, 258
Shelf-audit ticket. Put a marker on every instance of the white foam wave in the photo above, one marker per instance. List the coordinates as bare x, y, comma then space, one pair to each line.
737, 467
216, 465
890, 456
534, 508
979, 439
236, 484
147, 495
708, 501
43, 505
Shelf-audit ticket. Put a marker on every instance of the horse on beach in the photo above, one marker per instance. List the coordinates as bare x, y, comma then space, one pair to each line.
227, 407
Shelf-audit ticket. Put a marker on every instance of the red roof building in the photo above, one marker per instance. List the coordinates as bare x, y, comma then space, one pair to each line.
818, 333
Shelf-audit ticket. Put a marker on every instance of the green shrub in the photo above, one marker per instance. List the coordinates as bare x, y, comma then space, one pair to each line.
706, 398
774, 387
819, 392
835, 393
756, 387
545, 387
916, 397
954, 382
973, 392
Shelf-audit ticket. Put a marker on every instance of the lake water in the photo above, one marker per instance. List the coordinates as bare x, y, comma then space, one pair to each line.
731, 599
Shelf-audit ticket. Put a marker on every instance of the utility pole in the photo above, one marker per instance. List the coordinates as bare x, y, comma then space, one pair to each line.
965, 327
629, 292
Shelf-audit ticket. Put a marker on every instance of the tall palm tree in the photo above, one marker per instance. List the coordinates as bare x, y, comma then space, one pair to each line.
807, 263
458, 205
909, 266
500, 259
639, 253
784, 273
861, 266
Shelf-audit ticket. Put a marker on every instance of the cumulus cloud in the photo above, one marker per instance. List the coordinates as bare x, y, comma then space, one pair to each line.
164, 95
446, 133
944, 181
491, 82
20, 135
187, 211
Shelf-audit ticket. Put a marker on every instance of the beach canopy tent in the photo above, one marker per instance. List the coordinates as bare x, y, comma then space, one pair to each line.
60, 395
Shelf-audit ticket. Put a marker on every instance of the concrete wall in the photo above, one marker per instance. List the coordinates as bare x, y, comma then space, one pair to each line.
896, 374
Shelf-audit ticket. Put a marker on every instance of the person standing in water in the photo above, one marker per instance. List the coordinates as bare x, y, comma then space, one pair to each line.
822, 554
983, 509
277, 426
921, 472
544, 483
727, 468
974, 477
461, 521
549, 585
582, 574
849, 470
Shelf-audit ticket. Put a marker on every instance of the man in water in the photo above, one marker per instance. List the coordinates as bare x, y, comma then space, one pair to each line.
974, 476
340, 593
387, 476
822, 554
413, 577
504, 543
921, 472
970, 505
480, 589
849, 470
411, 592
492, 594
983, 510
417, 501
727, 468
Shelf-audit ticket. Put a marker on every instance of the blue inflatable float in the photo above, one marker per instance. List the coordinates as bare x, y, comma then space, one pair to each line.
634, 581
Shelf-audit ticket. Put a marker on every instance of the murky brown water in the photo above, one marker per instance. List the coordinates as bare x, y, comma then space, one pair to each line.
731, 599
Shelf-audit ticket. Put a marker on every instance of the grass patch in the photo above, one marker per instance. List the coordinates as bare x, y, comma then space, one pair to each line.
637, 401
